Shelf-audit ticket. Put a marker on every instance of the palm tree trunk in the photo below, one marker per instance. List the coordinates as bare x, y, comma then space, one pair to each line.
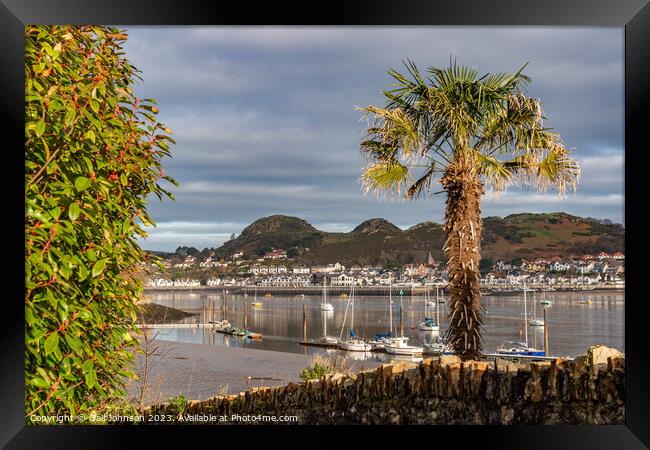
463, 225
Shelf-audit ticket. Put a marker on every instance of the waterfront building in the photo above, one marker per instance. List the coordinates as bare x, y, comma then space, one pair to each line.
342, 280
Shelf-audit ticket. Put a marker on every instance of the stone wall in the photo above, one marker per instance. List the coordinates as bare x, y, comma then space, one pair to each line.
587, 390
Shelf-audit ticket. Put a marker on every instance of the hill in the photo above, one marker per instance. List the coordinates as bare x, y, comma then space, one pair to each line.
377, 241
272, 232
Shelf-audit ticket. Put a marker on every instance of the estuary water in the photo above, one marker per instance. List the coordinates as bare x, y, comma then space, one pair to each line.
573, 326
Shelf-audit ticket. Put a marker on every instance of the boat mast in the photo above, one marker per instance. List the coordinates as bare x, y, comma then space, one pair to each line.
534, 308
437, 301
324, 312
390, 304
525, 319
352, 318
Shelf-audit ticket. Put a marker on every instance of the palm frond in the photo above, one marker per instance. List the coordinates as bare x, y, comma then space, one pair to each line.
496, 175
552, 168
422, 184
385, 177
394, 128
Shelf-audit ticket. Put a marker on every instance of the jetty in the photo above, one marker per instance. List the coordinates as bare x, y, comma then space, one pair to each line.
177, 325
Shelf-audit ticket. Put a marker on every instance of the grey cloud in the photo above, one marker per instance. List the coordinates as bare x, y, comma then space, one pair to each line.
265, 123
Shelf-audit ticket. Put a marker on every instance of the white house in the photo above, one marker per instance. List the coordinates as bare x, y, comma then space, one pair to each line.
342, 280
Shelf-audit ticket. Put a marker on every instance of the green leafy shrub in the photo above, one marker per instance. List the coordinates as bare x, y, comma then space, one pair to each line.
322, 363
178, 405
314, 372
93, 154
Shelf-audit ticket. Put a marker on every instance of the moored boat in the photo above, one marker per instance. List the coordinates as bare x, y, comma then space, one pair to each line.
380, 341
355, 343
518, 349
429, 325
399, 346
437, 348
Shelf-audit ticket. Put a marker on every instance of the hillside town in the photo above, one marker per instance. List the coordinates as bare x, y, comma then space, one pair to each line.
275, 269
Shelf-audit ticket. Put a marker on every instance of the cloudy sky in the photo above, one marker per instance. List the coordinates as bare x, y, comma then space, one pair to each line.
265, 123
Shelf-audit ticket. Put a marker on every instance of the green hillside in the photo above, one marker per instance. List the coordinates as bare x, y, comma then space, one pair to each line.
377, 241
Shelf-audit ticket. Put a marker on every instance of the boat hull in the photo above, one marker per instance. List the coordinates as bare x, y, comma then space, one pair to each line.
404, 350
355, 346
520, 353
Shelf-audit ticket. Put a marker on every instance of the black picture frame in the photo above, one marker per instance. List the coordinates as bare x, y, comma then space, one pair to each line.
634, 15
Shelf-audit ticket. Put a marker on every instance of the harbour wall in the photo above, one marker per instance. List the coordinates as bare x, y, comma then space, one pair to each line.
331, 290
587, 390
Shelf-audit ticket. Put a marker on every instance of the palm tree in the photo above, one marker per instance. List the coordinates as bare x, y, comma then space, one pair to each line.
469, 133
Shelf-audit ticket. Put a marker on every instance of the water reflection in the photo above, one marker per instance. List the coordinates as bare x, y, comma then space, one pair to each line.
572, 326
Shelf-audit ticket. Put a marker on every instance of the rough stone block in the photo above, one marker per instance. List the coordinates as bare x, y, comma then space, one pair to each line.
598, 354
448, 359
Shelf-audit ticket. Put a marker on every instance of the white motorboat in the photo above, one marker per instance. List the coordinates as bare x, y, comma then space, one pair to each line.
326, 307
399, 346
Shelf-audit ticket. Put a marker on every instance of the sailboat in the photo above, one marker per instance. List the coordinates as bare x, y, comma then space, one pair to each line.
427, 300
545, 301
534, 321
325, 306
399, 346
380, 340
585, 300
520, 348
429, 324
355, 343
325, 339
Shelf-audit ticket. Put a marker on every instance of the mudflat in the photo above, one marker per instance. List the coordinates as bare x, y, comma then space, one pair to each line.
200, 371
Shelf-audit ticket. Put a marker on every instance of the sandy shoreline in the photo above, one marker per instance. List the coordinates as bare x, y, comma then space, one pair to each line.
203, 371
